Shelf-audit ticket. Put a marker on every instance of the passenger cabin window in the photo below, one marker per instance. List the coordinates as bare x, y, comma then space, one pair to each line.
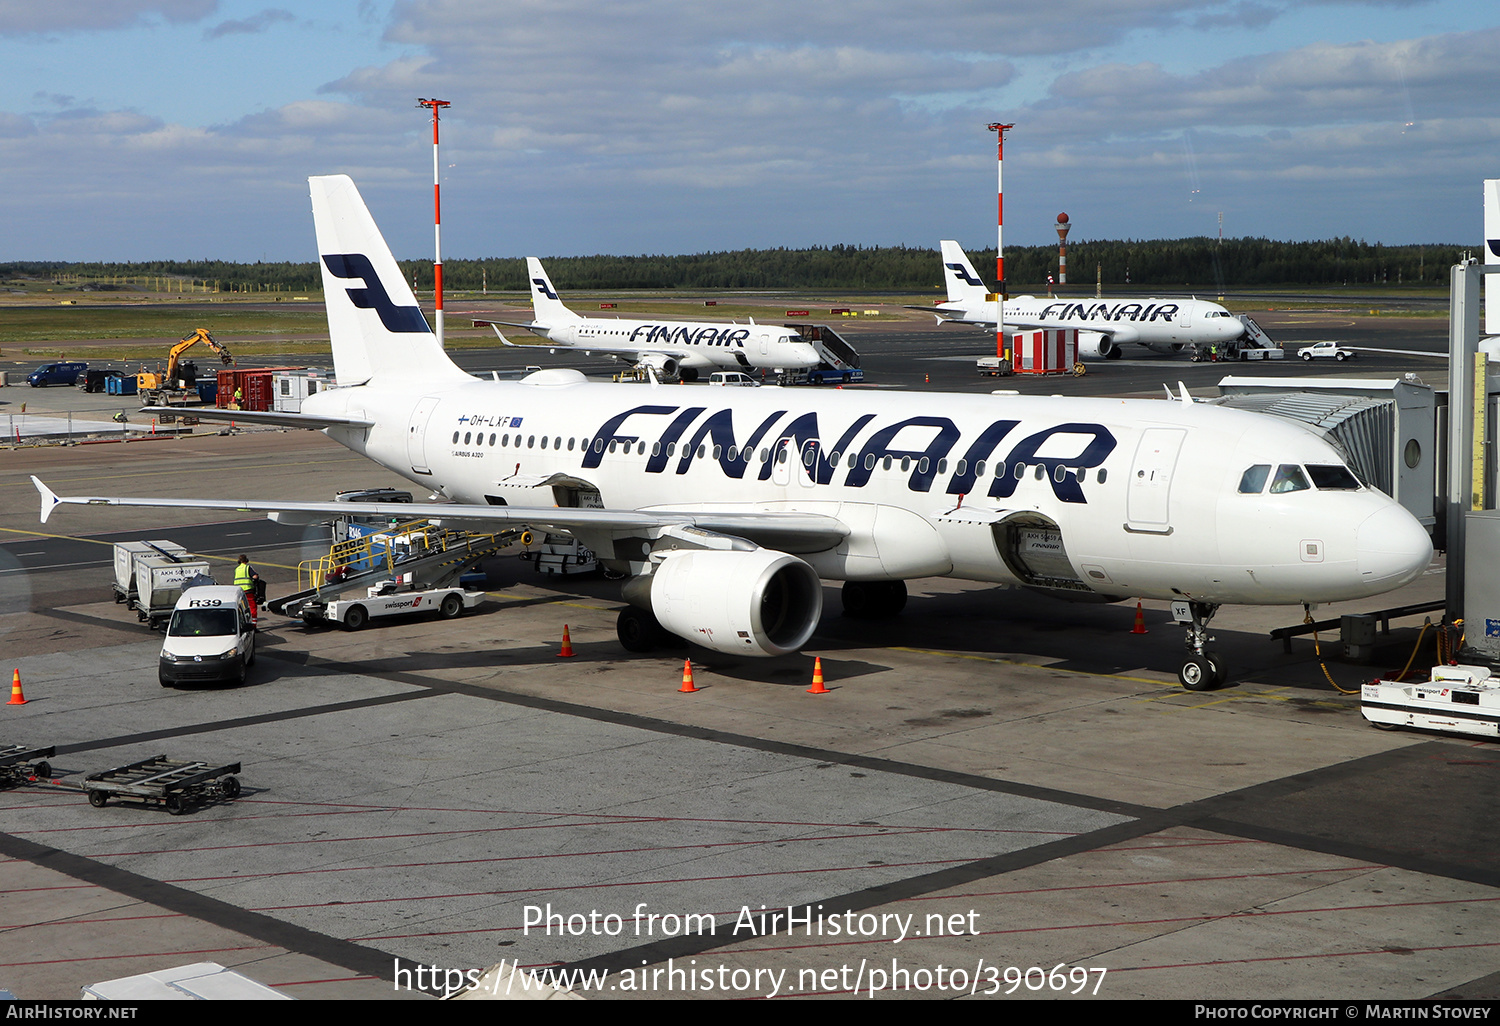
1253, 481
1289, 478
1332, 477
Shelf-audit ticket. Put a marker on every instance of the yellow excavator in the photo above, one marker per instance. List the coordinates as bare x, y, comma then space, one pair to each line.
159, 388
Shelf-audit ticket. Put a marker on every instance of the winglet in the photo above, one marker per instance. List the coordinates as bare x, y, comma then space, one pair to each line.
49, 497
1184, 392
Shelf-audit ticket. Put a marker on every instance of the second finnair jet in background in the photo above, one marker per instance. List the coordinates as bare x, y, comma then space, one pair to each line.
1161, 325
670, 348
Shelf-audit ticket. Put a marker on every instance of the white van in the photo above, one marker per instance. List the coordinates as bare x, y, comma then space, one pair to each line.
210, 638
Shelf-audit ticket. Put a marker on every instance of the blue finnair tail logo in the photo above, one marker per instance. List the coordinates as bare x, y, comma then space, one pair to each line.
962, 274
544, 288
373, 296
1494, 245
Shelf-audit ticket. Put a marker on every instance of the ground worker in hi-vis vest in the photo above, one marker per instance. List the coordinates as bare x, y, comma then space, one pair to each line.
244, 579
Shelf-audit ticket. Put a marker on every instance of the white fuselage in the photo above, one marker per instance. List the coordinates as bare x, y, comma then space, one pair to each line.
699, 345
1117, 497
1162, 324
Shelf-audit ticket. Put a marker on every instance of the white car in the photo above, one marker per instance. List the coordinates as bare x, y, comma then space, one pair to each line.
732, 379
1332, 349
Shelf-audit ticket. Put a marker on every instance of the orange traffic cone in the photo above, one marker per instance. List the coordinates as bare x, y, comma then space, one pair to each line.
1140, 621
817, 685
567, 645
687, 678
16, 698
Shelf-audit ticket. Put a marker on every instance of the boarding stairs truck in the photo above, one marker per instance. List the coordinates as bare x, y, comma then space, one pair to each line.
1254, 344
408, 569
839, 362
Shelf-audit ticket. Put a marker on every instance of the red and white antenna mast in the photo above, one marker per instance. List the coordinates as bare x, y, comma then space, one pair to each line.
1000, 131
437, 215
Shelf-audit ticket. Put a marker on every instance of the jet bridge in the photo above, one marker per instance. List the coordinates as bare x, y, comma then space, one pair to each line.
1387, 428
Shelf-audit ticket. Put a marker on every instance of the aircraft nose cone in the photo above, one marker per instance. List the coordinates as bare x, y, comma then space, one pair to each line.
1393, 548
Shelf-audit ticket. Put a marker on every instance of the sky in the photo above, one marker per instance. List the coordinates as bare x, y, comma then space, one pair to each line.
186, 129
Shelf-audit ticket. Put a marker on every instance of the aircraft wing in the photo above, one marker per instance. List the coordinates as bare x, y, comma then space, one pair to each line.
497, 325
299, 420
785, 531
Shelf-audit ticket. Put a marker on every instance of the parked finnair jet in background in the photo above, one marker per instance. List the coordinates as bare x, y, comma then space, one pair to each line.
1161, 325
670, 348
727, 507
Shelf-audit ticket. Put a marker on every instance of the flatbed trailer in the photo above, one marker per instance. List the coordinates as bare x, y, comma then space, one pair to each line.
176, 783
22, 765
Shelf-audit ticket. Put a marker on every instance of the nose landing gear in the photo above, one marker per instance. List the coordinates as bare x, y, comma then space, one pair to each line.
1203, 670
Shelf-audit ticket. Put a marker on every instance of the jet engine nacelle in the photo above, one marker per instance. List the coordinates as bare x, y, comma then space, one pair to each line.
1093, 345
1168, 348
760, 602
664, 365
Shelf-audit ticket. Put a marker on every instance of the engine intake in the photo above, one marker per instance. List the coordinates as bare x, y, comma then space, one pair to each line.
762, 602
664, 365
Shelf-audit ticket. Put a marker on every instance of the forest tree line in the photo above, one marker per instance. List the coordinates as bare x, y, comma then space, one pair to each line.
1202, 262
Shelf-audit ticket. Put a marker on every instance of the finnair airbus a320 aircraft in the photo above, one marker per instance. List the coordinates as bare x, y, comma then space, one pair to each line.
670, 348
727, 507
1161, 325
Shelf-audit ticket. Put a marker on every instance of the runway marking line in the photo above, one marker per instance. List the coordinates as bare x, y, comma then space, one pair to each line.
501, 859
97, 541
1298, 958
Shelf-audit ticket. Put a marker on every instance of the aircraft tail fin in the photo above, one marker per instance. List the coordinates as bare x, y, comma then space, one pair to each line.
1491, 255
964, 283
546, 308
374, 322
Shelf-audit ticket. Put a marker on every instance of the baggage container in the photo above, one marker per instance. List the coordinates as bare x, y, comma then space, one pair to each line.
159, 581
125, 553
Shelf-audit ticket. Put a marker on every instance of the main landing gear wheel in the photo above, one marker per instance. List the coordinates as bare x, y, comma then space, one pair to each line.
638, 630
873, 600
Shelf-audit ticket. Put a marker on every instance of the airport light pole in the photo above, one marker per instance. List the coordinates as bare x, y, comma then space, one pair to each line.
437, 216
1000, 131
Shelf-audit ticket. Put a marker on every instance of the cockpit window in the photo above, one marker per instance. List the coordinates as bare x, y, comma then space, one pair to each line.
1253, 481
1289, 478
1332, 476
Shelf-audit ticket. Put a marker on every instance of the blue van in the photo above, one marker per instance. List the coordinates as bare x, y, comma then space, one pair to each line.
56, 374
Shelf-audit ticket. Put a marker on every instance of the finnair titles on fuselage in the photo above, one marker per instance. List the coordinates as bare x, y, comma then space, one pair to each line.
1161, 325
726, 510
669, 348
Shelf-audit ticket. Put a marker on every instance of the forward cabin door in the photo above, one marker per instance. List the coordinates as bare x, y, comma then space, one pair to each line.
1149, 502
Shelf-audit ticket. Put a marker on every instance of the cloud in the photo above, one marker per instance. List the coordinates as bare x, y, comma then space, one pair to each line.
258, 22
27, 17
674, 126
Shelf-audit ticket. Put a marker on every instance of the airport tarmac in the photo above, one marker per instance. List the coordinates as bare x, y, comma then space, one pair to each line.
996, 781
